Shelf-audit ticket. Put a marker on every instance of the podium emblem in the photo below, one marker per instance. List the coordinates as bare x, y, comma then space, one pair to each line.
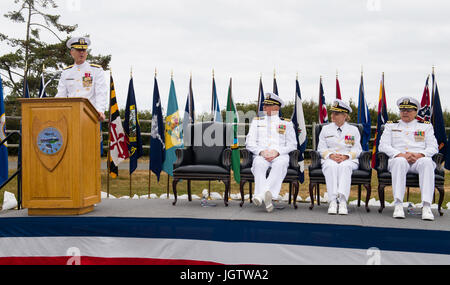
50, 141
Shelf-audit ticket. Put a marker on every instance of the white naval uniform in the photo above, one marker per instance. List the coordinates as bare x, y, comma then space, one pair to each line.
412, 137
338, 176
85, 81
270, 133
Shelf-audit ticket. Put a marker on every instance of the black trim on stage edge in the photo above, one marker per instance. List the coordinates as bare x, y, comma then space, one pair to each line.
225, 274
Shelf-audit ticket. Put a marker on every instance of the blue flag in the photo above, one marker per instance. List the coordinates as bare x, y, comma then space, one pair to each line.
26, 91
215, 109
382, 119
260, 110
437, 119
323, 113
298, 119
189, 116
173, 131
275, 90
42, 93
364, 117
157, 139
132, 128
3, 148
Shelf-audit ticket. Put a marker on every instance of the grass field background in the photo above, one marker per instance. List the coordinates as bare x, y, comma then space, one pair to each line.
120, 187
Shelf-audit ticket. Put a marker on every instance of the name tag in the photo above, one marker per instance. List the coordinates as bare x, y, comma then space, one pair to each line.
396, 130
329, 137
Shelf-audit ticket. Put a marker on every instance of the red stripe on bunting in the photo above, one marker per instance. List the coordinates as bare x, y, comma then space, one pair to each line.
87, 260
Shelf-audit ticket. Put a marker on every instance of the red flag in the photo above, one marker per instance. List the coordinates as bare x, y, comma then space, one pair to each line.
118, 141
338, 90
323, 114
424, 114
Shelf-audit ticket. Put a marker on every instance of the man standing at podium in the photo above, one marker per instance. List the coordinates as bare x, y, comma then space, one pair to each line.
84, 80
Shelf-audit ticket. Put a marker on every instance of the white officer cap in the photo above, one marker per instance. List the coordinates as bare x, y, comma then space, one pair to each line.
408, 103
271, 99
79, 43
340, 107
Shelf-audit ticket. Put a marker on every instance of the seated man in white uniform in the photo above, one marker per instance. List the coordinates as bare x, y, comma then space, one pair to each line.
410, 146
340, 148
270, 139
84, 80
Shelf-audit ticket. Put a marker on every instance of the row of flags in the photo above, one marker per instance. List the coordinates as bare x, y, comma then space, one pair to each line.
167, 135
430, 111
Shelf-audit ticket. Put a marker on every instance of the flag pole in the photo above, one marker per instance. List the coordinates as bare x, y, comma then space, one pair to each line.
150, 182
149, 170
131, 174
168, 183
130, 185
108, 167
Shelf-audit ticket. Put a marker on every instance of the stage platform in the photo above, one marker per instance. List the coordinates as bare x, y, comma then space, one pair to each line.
155, 232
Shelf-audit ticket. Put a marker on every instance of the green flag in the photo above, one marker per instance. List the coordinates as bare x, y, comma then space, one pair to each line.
233, 118
173, 131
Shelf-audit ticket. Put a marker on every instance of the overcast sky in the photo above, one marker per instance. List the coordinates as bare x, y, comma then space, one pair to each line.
243, 39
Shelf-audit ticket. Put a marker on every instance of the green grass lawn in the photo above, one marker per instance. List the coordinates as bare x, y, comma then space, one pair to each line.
121, 187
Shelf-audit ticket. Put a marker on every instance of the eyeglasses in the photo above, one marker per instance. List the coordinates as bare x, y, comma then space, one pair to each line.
407, 110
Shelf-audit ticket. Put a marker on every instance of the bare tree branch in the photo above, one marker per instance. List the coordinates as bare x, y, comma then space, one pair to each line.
36, 24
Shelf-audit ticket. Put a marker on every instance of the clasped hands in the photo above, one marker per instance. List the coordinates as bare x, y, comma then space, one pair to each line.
269, 155
339, 157
411, 157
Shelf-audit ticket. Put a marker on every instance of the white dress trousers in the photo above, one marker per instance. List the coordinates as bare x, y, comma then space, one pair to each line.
346, 141
270, 133
411, 137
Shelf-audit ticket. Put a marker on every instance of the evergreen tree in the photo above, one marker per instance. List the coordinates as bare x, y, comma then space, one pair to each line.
30, 53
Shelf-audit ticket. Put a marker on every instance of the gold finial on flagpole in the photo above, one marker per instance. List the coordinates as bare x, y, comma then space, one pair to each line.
213, 73
171, 73
434, 69
275, 73
297, 76
337, 74
131, 72
362, 70
156, 72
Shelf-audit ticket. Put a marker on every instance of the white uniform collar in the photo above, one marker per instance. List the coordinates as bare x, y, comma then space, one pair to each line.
342, 127
274, 117
412, 123
81, 65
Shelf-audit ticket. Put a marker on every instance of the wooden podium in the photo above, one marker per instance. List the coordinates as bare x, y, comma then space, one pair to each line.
60, 156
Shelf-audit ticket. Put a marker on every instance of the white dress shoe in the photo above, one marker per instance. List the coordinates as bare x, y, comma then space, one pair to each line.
257, 201
427, 215
343, 209
399, 213
268, 201
332, 209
